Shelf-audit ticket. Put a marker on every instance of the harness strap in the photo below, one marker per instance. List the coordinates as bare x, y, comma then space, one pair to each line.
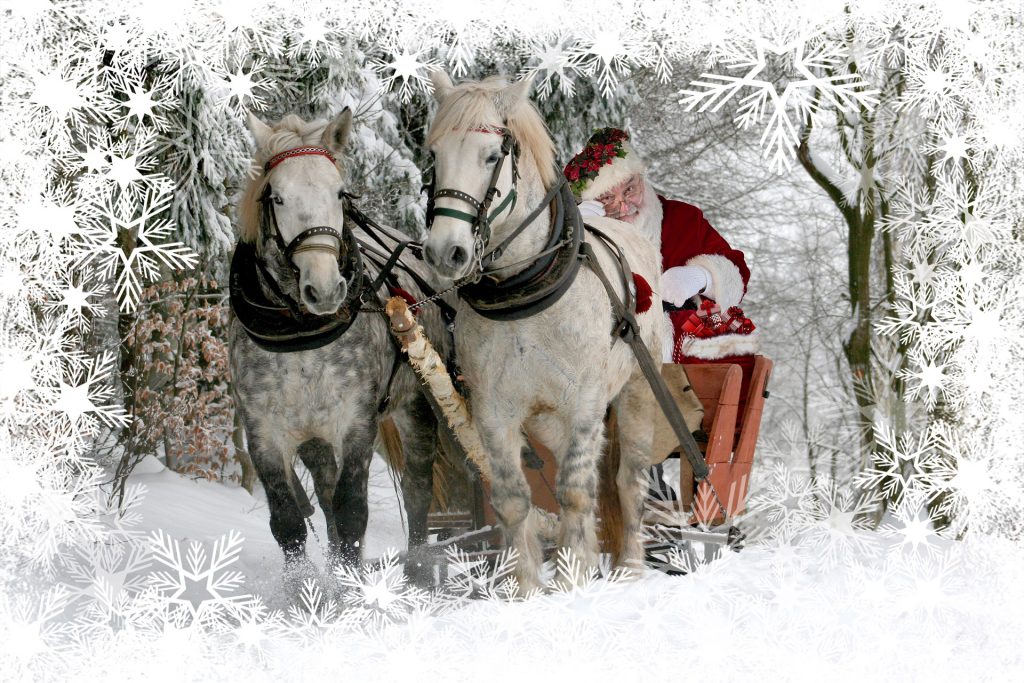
494, 254
626, 328
369, 226
389, 265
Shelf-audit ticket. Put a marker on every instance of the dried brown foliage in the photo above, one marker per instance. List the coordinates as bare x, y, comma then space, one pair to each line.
182, 403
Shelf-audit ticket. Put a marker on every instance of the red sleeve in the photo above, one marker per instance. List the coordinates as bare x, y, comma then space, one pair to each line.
685, 233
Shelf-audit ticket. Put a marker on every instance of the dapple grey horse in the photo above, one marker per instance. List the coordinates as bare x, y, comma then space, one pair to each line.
321, 405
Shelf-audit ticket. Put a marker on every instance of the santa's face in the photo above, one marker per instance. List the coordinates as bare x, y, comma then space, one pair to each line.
624, 201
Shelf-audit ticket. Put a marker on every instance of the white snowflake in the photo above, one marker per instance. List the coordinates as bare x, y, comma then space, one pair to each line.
127, 243
85, 398
554, 63
609, 52
378, 595
32, 633
314, 618
411, 67
198, 587
902, 463
812, 60
475, 578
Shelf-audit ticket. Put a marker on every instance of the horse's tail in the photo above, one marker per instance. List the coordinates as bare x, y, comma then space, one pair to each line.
609, 507
446, 466
391, 443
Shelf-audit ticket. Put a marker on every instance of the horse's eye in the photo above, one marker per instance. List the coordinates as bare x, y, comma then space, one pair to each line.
276, 199
493, 159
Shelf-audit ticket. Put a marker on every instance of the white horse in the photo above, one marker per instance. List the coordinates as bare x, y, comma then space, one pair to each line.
555, 372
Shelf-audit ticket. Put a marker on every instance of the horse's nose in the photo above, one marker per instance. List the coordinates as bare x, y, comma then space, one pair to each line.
452, 258
457, 256
321, 302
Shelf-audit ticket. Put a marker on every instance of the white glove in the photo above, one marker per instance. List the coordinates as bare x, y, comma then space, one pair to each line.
590, 208
683, 282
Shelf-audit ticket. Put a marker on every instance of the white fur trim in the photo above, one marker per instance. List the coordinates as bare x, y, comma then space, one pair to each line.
667, 338
719, 347
620, 170
726, 286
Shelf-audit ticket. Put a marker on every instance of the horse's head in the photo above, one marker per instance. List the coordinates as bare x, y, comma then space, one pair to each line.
479, 128
295, 210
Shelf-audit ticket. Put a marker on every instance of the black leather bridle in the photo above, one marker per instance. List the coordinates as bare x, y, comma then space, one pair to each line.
279, 323
480, 221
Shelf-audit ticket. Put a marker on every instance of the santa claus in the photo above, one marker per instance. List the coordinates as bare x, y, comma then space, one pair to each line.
703, 278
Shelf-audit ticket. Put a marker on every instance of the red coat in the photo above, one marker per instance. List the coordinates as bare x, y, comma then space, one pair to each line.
688, 239
685, 233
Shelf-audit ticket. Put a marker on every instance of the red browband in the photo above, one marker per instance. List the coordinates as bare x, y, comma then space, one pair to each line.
297, 152
497, 130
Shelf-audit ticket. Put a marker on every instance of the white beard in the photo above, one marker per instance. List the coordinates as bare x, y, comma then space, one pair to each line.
648, 218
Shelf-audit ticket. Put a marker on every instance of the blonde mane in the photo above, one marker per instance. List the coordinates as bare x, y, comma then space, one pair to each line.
467, 105
291, 131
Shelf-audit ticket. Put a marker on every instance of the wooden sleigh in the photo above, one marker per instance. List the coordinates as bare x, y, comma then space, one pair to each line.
732, 423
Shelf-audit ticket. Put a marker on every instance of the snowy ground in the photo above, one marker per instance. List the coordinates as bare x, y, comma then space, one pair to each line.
199, 510
870, 609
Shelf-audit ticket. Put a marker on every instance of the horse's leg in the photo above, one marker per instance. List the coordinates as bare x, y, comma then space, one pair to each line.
510, 498
350, 504
418, 427
318, 457
577, 489
633, 408
286, 521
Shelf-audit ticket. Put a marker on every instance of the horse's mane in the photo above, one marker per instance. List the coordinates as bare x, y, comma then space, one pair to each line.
291, 131
467, 105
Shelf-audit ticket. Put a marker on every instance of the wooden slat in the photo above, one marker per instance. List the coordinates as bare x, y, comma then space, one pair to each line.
751, 423
731, 481
718, 386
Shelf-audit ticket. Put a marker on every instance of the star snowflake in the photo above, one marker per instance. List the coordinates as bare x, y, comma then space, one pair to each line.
553, 62
126, 244
411, 68
781, 135
608, 53
198, 587
314, 618
85, 398
469, 578
380, 595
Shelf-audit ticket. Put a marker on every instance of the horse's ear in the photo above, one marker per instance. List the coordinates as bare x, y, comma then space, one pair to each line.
442, 84
336, 132
510, 98
260, 131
